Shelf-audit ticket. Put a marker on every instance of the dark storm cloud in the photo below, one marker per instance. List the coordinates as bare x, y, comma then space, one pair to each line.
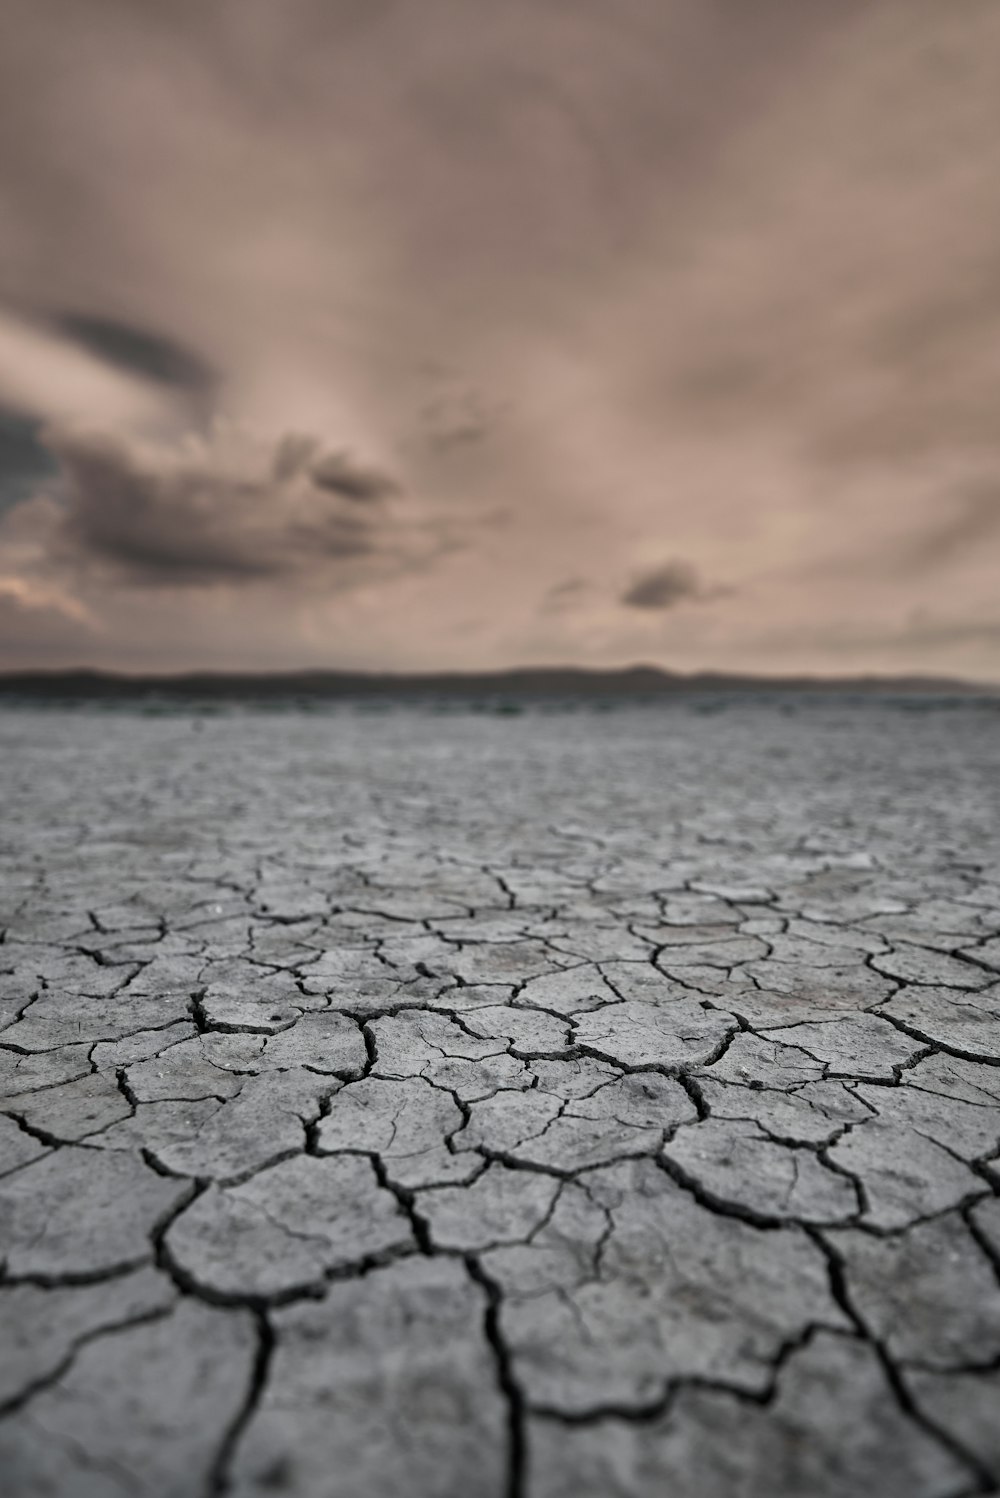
137, 351
338, 473
201, 518
24, 459
664, 587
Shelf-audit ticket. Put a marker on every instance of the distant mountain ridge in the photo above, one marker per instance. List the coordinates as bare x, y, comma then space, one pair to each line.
529, 682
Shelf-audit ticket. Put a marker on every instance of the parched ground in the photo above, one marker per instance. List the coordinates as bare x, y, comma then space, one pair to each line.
571, 1105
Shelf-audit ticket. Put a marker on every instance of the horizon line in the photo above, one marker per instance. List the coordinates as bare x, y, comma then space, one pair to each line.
541, 675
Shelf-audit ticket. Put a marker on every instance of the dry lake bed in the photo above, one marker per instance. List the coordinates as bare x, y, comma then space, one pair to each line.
556, 1104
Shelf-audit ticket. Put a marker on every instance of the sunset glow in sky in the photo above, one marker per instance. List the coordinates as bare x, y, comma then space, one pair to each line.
455, 334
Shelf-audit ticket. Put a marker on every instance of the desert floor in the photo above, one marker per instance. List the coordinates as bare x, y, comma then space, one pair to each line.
459, 1105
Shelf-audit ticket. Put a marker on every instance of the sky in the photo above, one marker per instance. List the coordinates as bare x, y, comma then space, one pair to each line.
387, 335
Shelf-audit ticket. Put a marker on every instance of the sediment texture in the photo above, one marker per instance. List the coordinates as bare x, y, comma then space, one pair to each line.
570, 1105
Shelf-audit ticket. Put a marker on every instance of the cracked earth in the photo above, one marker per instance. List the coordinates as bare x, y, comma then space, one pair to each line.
563, 1106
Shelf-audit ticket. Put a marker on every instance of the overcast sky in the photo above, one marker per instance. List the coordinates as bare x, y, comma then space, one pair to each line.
459, 334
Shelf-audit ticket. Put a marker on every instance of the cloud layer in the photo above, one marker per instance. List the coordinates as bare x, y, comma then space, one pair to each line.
208, 516
554, 292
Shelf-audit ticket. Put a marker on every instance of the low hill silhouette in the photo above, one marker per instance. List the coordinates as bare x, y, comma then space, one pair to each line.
531, 683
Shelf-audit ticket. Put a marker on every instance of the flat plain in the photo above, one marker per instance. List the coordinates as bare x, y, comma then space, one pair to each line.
547, 1104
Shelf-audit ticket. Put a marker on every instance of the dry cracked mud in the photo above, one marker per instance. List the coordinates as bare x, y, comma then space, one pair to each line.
570, 1105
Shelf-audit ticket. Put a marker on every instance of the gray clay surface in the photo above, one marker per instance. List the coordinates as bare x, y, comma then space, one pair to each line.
563, 1105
